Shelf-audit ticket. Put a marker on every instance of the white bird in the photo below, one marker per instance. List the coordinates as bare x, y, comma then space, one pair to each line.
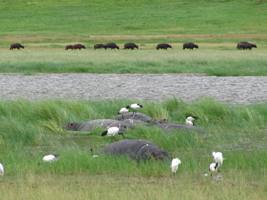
134, 106
213, 167
2, 170
50, 158
190, 121
218, 158
112, 131
123, 110
175, 164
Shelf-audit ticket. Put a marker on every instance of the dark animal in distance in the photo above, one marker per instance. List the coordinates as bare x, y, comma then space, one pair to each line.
99, 46
136, 149
16, 46
69, 47
163, 46
246, 45
79, 46
190, 45
130, 46
111, 45
75, 46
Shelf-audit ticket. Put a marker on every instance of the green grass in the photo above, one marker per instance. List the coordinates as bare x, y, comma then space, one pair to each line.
45, 27
28, 130
219, 62
81, 17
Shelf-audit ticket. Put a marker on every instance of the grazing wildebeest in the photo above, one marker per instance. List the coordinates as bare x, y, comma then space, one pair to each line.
16, 46
78, 46
99, 46
130, 45
69, 47
111, 45
190, 45
163, 46
245, 45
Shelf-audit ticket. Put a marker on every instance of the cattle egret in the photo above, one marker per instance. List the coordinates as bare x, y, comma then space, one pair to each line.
175, 164
190, 121
218, 158
112, 131
2, 171
50, 158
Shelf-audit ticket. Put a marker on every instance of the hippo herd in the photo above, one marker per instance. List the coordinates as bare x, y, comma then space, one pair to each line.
136, 149
132, 46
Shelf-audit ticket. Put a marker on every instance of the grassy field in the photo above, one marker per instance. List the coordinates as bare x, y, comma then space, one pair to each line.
222, 61
28, 130
45, 27
101, 17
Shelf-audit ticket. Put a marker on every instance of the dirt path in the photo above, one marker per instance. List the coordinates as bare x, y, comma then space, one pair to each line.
151, 87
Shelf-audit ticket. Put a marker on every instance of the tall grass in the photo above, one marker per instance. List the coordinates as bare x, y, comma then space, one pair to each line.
206, 61
28, 130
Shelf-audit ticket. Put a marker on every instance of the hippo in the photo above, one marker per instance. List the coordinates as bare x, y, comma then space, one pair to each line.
78, 46
163, 46
137, 116
111, 45
16, 46
99, 46
245, 45
190, 45
131, 46
103, 123
136, 149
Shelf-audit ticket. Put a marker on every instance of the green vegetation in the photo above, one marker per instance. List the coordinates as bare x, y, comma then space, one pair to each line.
28, 130
96, 17
220, 62
45, 26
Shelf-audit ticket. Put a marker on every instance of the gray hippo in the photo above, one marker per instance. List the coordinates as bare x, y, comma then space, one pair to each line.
102, 123
136, 149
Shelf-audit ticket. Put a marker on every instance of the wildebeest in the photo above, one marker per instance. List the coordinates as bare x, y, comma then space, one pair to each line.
163, 46
16, 46
79, 46
69, 47
245, 45
75, 46
99, 46
130, 45
111, 45
136, 149
190, 45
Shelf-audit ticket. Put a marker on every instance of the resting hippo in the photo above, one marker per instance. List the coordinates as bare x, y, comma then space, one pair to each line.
136, 116
136, 149
102, 123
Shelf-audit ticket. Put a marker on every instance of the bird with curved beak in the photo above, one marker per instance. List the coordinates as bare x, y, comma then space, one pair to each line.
134, 107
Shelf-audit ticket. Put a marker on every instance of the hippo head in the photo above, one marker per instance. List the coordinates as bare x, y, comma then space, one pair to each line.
153, 152
72, 126
196, 46
254, 45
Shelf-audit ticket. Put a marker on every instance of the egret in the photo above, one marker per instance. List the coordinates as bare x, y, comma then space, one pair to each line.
218, 158
175, 164
50, 158
112, 131
2, 171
